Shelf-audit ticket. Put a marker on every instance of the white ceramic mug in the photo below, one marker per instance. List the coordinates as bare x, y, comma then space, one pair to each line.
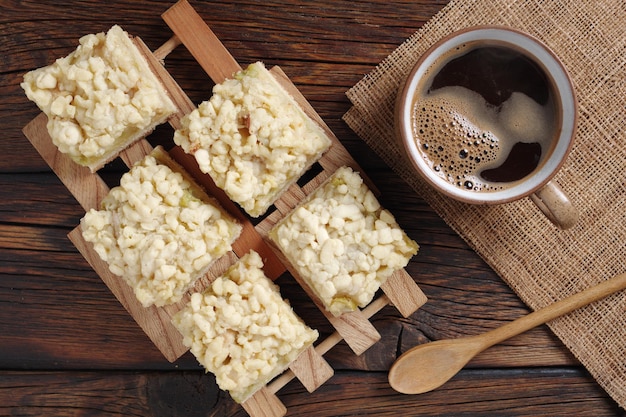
546, 194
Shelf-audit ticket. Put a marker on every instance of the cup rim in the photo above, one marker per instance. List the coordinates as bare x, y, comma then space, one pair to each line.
565, 93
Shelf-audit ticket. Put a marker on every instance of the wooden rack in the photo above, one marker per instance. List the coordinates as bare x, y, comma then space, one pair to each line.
89, 189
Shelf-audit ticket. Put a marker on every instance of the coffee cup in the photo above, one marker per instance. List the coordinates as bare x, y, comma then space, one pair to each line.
487, 116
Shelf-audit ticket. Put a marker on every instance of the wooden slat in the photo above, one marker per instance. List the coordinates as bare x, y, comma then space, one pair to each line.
311, 369
356, 330
200, 40
264, 403
312, 185
164, 50
403, 292
136, 152
289, 199
87, 189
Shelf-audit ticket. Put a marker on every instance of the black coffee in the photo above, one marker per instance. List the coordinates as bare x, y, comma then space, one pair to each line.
495, 72
485, 117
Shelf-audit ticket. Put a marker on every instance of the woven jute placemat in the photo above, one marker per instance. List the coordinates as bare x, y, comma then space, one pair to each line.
541, 263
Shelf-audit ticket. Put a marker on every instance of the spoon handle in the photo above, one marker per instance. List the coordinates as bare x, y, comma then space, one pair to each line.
555, 310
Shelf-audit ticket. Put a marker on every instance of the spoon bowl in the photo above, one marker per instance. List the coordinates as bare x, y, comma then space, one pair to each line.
438, 362
428, 366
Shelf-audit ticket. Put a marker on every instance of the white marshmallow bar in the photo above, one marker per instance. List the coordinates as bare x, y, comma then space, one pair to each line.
342, 243
99, 99
252, 138
242, 330
158, 230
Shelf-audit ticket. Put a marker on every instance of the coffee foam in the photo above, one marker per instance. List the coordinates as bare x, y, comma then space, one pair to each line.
461, 135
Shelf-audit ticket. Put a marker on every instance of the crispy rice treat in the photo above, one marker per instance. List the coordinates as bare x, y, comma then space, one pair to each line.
342, 243
99, 99
252, 138
241, 329
158, 230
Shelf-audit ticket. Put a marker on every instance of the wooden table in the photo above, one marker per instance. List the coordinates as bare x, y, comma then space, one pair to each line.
67, 346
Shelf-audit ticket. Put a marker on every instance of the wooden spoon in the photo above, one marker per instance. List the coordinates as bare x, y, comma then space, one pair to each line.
428, 366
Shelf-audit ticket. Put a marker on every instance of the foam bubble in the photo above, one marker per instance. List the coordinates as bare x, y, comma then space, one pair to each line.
461, 135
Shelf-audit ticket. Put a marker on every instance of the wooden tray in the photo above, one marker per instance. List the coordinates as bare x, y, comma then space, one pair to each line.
89, 189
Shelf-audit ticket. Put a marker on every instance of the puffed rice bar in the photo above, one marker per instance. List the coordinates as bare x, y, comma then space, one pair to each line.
342, 243
242, 330
158, 230
99, 99
252, 138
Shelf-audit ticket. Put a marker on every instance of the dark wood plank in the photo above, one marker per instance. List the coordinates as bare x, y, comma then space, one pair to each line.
189, 394
58, 318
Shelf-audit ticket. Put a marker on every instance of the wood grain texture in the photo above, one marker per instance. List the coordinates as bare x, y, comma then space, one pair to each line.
67, 347
191, 394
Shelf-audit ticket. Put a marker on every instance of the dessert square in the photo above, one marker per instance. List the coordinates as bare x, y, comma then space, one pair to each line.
242, 330
342, 243
252, 138
100, 98
158, 230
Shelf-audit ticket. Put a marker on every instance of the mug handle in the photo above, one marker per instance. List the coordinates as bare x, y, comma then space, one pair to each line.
557, 207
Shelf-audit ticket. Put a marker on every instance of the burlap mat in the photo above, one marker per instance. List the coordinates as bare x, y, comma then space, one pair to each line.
541, 263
